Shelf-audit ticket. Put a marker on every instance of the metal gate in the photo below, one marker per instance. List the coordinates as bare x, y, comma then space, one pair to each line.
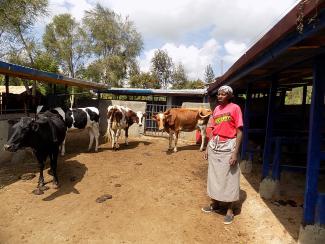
151, 125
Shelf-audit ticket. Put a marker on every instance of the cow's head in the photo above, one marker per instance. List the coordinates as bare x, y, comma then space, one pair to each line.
140, 116
162, 119
20, 133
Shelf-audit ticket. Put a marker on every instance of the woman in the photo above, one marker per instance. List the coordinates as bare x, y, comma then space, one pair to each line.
222, 154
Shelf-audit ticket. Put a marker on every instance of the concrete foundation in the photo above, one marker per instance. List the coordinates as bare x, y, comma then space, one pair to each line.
312, 234
246, 166
269, 188
4, 156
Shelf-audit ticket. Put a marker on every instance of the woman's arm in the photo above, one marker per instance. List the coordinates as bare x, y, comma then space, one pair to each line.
233, 158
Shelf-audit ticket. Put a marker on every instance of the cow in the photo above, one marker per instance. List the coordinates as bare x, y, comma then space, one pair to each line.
119, 118
80, 118
44, 135
175, 120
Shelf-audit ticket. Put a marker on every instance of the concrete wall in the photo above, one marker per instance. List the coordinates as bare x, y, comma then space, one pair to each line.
4, 156
134, 130
190, 136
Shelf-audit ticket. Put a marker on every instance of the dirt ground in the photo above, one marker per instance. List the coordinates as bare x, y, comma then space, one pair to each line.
156, 198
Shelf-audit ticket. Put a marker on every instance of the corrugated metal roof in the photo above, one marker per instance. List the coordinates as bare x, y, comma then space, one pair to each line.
282, 48
139, 91
48, 77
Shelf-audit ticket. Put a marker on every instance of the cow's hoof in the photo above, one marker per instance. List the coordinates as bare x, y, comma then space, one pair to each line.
201, 149
175, 149
50, 172
44, 188
37, 191
55, 185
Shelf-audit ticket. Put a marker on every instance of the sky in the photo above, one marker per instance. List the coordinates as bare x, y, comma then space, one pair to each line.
195, 33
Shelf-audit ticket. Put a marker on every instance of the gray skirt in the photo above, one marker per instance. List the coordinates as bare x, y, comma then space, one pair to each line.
223, 179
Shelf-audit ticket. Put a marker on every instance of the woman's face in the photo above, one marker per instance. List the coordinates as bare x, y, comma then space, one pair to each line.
223, 97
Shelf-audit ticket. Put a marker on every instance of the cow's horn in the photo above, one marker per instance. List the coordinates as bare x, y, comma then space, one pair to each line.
203, 116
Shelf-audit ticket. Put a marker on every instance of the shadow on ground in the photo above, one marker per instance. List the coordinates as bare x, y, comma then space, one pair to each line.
70, 173
292, 186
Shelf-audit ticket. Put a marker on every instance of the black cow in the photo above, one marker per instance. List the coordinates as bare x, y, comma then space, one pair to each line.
44, 135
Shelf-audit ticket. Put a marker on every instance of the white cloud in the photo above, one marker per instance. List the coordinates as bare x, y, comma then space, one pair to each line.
195, 59
197, 33
234, 50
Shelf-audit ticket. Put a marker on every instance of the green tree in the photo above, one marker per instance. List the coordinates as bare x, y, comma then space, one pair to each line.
195, 84
179, 78
208, 74
114, 43
17, 18
144, 80
162, 67
66, 41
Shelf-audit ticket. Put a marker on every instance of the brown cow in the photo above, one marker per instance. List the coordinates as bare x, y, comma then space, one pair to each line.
175, 120
119, 118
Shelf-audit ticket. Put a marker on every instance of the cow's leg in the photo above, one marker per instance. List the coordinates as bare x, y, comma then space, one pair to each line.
170, 140
176, 139
54, 162
91, 138
108, 132
41, 184
112, 132
126, 135
95, 129
41, 177
117, 135
63, 147
203, 136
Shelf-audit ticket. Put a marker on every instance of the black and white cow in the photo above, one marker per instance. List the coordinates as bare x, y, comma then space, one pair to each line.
44, 135
80, 118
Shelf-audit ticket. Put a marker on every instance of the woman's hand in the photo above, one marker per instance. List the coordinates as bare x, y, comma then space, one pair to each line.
205, 155
233, 159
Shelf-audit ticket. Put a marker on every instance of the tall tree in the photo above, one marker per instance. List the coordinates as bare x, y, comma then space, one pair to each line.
144, 80
162, 67
17, 18
66, 41
114, 42
179, 77
208, 74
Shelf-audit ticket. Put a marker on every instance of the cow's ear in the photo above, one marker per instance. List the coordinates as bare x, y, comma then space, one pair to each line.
34, 125
144, 115
170, 119
154, 116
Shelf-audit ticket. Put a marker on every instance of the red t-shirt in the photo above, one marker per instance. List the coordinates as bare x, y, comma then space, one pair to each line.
225, 121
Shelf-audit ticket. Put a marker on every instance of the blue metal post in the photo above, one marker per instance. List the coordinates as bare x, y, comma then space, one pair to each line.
314, 153
246, 122
320, 210
277, 159
269, 128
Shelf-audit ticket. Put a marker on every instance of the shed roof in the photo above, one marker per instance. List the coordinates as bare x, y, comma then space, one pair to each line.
283, 51
165, 92
48, 77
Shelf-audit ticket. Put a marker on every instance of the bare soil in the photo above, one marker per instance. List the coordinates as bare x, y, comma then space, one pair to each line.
156, 195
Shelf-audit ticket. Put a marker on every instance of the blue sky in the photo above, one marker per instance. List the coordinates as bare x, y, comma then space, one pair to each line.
196, 33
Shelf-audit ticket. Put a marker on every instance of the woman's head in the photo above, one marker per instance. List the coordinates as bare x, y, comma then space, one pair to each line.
225, 93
